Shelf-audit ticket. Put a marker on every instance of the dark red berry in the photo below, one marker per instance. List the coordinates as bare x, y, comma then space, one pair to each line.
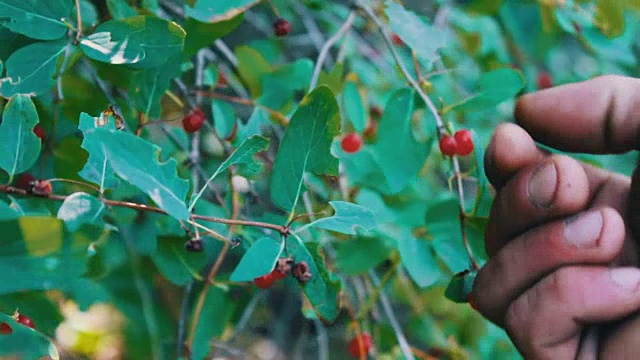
375, 112
464, 141
40, 187
5, 329
448, 145
544, 80
193, 245
24, 320
24, 180
360, 345
193, 121
281, 27
396, 40
301, 272
351, 143
39, 131
264, 281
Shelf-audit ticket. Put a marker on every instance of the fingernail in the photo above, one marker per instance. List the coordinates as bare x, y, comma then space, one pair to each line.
626, 278
583, 231
542, 185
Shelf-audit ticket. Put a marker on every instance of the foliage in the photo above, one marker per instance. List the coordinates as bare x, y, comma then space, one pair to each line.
265, 179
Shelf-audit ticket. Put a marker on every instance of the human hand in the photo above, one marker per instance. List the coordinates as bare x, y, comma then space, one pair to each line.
561, 253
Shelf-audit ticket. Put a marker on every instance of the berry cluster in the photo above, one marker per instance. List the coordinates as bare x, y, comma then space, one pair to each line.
6, 329
283, 268
461, 143
360, 345
193, 121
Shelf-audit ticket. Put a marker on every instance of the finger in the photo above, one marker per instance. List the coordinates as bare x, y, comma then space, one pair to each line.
595, 116
545, 322
556, 188
511, 149
593, 237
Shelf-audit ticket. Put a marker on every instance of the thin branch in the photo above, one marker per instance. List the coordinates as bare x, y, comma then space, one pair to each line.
327, 46
373, 298
76, 182
224, 49
79, 17
278, 116
397, 329
283, 230
432, 108
184, 312
313, 31
212, 233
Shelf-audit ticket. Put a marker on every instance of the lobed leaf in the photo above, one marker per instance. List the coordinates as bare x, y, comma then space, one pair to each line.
214, 11
347, 218
34, 19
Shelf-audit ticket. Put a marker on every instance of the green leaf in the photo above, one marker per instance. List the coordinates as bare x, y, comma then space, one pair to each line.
357, 256
243, 156
30, 70
97, 169
279, 86
305, 147
460, 286
145, 41
493, 88
79, 209
149, 86
19, 146
347, 218
610, 17
259, 260
202, 34
214, 11
324, 288
24, 342
217, 311
135, 160
418, 258
252, 66
225, 118
120, 9
175, 263
413, 30
6, 212
34, 19
353, 106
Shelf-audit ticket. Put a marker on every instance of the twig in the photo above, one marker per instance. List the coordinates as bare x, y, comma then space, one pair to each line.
432, 108
79, 17
397, 329
184, 312
278, 116
327, 45
75, 182
283, 230
224, 49
373, 298
313, 31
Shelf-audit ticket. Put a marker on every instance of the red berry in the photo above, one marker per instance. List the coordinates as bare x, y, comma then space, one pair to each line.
396, 40
360, 345
5, 329
448, 145
24, 180
264, 281
351, 143
39, 131
544, 80
24, 320
464, 139
278, 275
40, 187
281, 27
193, 121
